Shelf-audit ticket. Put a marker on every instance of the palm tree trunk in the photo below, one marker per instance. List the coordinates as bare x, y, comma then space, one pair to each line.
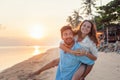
107, 34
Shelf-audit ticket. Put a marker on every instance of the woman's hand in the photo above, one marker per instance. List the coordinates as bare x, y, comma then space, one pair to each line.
79, 52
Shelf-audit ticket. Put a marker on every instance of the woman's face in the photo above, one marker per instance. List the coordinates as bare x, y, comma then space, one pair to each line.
86, 28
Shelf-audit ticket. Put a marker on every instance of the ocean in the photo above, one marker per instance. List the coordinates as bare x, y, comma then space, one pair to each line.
11, 55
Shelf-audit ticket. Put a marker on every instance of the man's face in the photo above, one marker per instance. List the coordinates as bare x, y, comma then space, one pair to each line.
67, 36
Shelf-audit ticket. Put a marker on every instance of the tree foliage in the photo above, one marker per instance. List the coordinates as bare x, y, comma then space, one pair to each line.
87, 9
74, 19
109, 14
87, 5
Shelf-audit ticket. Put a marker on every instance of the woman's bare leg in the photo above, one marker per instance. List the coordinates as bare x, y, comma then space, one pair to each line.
87, 70
78, 74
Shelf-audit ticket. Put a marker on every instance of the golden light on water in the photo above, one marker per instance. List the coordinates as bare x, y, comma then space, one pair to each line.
37, 50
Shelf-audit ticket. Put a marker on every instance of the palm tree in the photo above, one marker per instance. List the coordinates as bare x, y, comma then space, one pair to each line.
87, 7
75, 19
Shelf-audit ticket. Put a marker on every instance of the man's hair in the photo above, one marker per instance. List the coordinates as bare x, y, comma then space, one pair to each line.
65, 28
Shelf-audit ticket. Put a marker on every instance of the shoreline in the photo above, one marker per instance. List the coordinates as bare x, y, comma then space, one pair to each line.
107, 67
12, 55
42, 53
21, 70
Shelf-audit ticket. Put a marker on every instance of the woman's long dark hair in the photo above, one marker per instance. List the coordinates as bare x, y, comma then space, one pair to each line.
93, 33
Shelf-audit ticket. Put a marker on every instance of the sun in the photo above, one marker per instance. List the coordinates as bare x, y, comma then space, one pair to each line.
36, 31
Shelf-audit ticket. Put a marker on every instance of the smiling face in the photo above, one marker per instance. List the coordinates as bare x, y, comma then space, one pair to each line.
86, 28
67, 36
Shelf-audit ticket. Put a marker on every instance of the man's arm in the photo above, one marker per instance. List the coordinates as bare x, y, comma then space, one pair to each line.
51, 64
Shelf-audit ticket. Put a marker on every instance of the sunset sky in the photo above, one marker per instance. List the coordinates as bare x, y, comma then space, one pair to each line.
22, 21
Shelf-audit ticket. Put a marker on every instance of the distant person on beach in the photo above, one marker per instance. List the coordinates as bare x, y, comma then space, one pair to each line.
102, 38
70, 65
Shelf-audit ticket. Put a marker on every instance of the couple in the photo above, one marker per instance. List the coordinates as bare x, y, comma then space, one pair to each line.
78, 53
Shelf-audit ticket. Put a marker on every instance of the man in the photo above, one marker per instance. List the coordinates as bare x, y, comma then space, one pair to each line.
68, 63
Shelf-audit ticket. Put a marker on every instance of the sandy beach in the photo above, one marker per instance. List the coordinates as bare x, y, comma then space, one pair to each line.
107, 67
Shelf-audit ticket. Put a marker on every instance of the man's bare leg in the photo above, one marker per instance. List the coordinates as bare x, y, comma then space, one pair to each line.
78, 74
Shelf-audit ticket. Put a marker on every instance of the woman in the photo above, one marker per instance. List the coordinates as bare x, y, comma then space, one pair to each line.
87, 37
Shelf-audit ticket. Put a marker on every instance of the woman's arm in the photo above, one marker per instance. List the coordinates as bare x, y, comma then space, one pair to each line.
66, 48
78, 52
91, 56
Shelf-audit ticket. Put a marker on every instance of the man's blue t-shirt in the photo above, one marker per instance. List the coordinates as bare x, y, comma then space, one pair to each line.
69, 63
